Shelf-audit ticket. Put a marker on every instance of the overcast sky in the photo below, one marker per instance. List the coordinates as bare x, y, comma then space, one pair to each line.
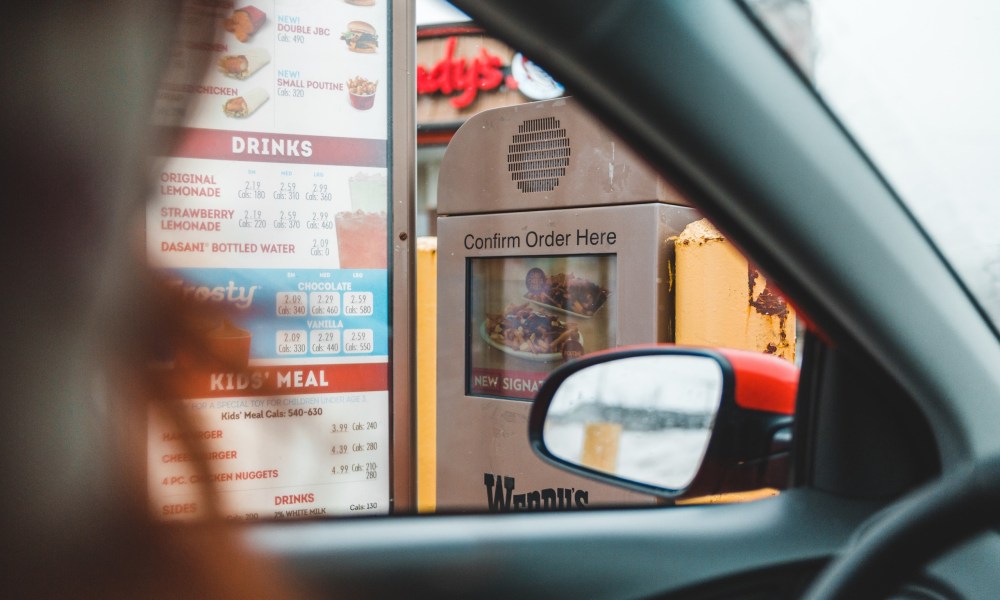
918, 83
438, 11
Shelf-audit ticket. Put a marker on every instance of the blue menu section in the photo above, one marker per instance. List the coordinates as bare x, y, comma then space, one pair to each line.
295, 314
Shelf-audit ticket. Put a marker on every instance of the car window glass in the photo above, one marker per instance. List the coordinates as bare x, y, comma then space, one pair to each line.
916, 83
535, 288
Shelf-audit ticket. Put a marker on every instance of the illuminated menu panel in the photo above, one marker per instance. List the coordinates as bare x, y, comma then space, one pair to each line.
273, 206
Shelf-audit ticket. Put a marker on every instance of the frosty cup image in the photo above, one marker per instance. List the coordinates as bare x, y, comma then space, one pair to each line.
224, 345
229, 345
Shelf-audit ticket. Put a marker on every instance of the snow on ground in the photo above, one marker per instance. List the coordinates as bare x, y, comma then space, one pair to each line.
666, 458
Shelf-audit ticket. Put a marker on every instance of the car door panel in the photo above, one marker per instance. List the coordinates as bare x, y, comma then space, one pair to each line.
593, 554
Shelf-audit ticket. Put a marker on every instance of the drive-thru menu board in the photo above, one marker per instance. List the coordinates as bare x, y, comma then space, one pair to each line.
273, 204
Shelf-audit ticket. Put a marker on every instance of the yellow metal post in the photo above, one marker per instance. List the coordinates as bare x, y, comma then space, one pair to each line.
600, 446
426, 374
724, 301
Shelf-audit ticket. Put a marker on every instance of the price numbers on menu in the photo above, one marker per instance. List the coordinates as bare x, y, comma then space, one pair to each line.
290, 304
291, 342
359, 304
355, 426
287, 191
251, 190
320, 192
356, 471
288, 220
358, 341
324, 304
324, 341
320, 247
356, 447
320, 220
253, 219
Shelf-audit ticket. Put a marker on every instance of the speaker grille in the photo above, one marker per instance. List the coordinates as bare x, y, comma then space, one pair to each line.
538, 155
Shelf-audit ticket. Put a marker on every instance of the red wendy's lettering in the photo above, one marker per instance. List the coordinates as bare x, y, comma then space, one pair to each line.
450, 75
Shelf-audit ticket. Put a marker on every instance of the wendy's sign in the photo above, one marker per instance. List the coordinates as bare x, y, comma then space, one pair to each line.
455, 65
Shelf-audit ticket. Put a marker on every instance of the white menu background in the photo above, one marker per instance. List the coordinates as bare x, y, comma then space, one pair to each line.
254, 212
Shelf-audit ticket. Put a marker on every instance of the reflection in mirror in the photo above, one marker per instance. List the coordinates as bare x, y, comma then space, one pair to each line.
647, 419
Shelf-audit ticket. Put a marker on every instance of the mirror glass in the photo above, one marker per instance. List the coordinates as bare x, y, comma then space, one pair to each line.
647, 419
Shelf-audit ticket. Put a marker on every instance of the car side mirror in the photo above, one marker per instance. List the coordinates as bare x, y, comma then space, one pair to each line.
671, 421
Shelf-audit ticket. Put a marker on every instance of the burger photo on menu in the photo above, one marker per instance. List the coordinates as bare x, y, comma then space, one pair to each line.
360, 37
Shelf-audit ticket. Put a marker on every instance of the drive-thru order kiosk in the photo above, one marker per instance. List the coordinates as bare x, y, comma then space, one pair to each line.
554, 240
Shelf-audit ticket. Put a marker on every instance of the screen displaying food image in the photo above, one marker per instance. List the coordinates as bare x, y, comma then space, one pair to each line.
522, 328
528, 315
566, 291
